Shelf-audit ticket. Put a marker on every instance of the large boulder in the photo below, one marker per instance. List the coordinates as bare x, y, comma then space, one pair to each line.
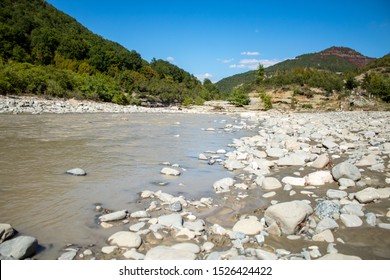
288, 215
20, 247
346, 170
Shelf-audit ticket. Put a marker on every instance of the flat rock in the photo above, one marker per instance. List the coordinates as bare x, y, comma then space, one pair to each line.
170, 171
169, 253
338, 256
346, 170
294, 181
384, 225
353, 209
189, 247
248, 226
265, 255
125, 239
367, 160
109, 249
136, 227
325, 235
291, 160
288, 215
345, 182
367, 195
133, 254
275, 152
271, 183
114, 216
6, 231
76, 172
319, 178
326, 224
321, 161
329, 144
202, 157
232, 164
140, 214
197, 226
223, 185
171, 221
351, 220
68, 255
337, 194
19, 247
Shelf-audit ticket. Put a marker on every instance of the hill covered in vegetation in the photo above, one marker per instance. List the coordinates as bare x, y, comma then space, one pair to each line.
334, 59
46, 52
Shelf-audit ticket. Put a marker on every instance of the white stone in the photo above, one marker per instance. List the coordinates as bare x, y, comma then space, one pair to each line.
223, 184
114, 216
125, 239
367, 195
190, 247
294, 181
325, 235
171, 220
208, 246
270, 183
319, 178
136, 227
168, 253
248, 226
338, 256
329, 144
346, 170
147, 194
321, 161
202, 157
291, 160
109, 249
76, 172
337, 194
264, 255
344, 182
353, 209
170, 171
275, 152
217, 229
133, 254
269, 194
384, 225
325, 224
351, 220
232, 164
140, 214
288, 215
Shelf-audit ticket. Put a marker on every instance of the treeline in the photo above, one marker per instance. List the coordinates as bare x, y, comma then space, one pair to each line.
44, 51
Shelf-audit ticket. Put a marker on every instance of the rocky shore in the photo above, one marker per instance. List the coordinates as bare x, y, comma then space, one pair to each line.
304, 186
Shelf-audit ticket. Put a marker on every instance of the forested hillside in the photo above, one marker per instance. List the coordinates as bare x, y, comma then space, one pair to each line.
46, 52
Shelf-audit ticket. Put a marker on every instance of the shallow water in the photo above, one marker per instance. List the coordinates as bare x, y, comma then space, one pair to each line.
122, 155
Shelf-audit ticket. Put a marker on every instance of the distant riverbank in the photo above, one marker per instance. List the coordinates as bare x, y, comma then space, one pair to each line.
38, 105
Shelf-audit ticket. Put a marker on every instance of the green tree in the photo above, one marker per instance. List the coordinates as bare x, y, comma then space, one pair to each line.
260, 74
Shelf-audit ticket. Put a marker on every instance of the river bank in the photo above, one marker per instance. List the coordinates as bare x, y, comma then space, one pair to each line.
302, 186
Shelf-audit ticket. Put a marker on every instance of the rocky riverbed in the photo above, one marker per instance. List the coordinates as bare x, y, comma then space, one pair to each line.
304, 186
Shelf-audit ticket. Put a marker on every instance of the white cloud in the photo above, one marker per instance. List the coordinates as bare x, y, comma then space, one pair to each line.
201, 77
227, 60
253, 64
250, 53
171, 59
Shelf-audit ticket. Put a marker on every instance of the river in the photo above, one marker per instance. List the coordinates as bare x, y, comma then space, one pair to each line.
122, 154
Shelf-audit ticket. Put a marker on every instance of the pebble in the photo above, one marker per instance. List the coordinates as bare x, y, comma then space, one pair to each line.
109, 249
136, 227
76, 172
248, 226
125, 239
170, 171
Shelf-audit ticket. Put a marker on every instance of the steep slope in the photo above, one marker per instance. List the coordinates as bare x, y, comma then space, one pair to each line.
44, 51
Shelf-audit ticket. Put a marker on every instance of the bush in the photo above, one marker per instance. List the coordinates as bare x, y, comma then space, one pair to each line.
238, 97
266, 100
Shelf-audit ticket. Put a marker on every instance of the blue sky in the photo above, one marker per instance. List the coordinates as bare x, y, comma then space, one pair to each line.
216, 39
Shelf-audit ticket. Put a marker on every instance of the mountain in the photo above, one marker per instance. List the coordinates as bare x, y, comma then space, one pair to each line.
45, 51
334, 59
